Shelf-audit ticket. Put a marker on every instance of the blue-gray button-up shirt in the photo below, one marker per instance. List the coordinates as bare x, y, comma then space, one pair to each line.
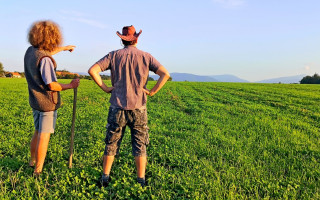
129, 74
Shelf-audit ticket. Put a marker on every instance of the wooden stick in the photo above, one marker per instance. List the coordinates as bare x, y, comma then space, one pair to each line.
75, 90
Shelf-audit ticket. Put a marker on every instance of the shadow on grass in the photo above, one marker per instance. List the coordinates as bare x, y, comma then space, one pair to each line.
10, 163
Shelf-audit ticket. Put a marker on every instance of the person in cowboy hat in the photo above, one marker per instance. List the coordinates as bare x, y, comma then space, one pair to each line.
129, 74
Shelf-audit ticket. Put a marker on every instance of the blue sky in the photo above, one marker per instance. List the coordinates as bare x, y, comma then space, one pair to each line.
253, 40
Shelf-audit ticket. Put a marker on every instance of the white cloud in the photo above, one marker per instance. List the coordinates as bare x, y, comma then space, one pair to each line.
307, 67
230, 3
82, 18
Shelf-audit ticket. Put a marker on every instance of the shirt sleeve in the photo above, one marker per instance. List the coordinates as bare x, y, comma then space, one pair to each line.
105, 62
154, 65
47, 71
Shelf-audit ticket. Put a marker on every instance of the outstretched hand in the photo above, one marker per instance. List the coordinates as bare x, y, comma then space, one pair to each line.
63, 48
69, 48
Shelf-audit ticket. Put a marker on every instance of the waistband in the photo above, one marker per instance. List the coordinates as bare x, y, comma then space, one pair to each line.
141, 108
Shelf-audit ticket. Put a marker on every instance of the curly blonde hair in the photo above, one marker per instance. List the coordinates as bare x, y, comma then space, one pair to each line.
45, 35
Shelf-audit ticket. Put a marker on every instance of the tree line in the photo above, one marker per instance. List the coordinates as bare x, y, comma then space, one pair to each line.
2, 72
61, 74
315, 79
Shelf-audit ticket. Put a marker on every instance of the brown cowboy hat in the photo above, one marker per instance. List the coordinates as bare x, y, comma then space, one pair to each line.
129, 33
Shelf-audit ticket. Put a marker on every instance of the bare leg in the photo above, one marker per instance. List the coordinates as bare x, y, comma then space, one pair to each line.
107, 164
33, 147
41, 151
141, 163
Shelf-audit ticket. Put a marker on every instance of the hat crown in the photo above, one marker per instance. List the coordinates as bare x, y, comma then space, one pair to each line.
129, 33
128, 30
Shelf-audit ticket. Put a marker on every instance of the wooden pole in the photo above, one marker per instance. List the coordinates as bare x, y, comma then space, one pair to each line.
75, 90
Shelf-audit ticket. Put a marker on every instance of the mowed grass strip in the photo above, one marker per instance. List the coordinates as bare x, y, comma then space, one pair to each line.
207, 141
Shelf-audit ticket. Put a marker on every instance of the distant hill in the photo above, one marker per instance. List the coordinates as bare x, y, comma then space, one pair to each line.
83, 73
229, 78
219, 78
188, 77
200, 78
288, 79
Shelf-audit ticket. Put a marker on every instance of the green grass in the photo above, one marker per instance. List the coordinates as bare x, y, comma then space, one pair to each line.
207, 141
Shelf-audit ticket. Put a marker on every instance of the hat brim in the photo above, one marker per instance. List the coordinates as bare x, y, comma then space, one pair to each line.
129, 37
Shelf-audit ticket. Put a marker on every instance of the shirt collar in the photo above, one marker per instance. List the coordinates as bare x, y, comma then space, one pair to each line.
130, 46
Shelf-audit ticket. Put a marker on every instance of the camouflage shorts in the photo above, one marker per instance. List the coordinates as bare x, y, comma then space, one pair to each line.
137, 121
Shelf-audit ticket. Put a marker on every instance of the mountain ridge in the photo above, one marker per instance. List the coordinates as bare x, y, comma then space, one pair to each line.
177, 76
285, 79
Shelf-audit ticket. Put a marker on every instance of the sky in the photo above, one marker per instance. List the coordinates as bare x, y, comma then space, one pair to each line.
251, 39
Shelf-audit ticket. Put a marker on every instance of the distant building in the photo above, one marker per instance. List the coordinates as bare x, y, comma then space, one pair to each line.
13, 75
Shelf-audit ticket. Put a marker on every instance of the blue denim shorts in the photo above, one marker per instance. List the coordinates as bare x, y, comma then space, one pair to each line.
137, 121
44, 122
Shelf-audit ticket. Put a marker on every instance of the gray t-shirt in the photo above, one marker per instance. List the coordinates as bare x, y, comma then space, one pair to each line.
47, 70
129, 75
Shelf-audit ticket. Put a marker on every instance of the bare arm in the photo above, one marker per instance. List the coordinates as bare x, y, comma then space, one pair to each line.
64, 48
55, 86
164, 76
94, 73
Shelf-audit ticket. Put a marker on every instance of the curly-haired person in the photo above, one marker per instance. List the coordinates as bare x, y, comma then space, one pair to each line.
44, 90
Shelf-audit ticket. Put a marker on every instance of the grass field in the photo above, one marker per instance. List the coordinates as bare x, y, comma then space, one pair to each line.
207, 141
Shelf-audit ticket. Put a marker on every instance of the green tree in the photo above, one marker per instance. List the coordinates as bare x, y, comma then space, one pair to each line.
315, 79
105, 77
150, 79
2, 72
69, 76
